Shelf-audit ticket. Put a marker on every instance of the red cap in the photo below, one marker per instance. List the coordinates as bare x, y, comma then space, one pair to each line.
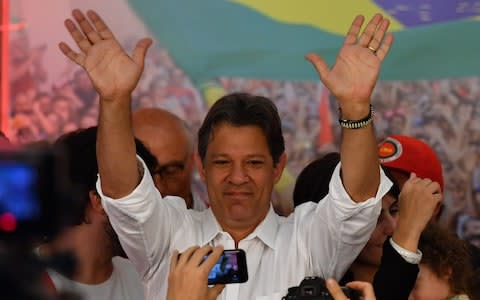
411, 155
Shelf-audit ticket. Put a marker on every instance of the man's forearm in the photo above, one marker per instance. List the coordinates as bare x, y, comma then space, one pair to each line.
116, 153
359, 157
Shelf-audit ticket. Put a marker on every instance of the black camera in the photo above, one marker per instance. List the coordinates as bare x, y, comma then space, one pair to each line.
36, 202
33, 188
314, 288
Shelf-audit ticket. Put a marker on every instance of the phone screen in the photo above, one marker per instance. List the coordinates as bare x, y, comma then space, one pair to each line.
230, 268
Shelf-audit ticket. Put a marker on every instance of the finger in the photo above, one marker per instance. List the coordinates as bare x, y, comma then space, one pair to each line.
102, 28
425, 181
335, 290
174, 260
140, 51
199, 256
385, 47
185, 256
434, 188
213, 258
82, 42
370, 30
415, 179
86, 27
365, 288
215, 291
379, 34
352, 34
319, 64
72, 55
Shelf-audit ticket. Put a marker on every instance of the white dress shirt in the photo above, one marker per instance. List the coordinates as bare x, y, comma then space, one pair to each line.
317, 239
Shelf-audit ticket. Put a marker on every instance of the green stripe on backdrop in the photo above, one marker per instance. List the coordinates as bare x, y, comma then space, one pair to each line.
212, 38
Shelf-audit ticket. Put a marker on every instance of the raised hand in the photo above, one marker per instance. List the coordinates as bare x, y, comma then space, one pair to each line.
356, 69
418, 201
112, 71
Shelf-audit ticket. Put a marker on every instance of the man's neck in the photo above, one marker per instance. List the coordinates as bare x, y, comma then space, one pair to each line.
239, 233
93, 270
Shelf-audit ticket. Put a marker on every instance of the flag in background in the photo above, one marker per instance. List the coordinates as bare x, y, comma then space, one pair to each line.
269, 38
325, 136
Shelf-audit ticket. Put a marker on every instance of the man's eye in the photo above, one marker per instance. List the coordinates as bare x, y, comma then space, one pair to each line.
220, 162
172, 170
255, 163
394, 211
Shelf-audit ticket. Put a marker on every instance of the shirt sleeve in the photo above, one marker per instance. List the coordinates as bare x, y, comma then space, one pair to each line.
337, 229
395, 277
144, 222
408, 256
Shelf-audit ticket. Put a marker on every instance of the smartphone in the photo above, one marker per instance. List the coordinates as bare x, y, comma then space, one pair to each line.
230, 268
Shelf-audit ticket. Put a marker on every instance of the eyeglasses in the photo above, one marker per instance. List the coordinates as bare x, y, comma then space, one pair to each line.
170, 170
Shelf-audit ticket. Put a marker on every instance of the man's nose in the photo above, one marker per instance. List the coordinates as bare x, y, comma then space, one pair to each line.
238, 174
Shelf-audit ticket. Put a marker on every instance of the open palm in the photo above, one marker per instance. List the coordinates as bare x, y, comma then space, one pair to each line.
113, 73
355, 72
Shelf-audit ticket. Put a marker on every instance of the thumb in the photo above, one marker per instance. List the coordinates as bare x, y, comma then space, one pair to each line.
141, 50
319, 64
365, 288
335, 290
214, 291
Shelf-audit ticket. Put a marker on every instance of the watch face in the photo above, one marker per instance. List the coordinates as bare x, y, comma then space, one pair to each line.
413, 13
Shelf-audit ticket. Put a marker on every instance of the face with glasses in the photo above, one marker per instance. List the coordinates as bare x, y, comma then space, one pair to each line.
167, 138
170, 144
173, 176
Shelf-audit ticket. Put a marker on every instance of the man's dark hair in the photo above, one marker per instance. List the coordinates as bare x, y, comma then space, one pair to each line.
313, 181
241, 109
79, 150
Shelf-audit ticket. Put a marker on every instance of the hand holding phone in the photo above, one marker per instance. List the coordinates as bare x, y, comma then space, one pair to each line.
189, 274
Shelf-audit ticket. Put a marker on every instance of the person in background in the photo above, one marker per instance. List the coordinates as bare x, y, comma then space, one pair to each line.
403, 155
390, 258
170, 141
101, 270
445, 269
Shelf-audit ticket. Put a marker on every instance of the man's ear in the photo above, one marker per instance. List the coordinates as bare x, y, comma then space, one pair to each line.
96, 202
199, 166
278, 169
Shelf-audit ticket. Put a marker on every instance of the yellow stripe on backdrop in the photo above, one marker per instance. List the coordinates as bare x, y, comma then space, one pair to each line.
319, 13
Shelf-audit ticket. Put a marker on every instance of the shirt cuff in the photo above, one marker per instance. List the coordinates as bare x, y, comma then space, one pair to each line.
408, 256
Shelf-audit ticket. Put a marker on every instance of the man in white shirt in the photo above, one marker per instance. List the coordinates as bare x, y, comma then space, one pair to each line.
241, 157
169, 140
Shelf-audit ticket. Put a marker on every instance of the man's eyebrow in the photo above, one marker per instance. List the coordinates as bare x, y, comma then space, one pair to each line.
256, 156
249, 156
171, 163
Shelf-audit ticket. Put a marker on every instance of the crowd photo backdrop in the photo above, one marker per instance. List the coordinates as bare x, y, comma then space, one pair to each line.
429, 88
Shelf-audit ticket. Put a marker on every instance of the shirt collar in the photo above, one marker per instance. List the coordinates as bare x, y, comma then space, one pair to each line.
266, 231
